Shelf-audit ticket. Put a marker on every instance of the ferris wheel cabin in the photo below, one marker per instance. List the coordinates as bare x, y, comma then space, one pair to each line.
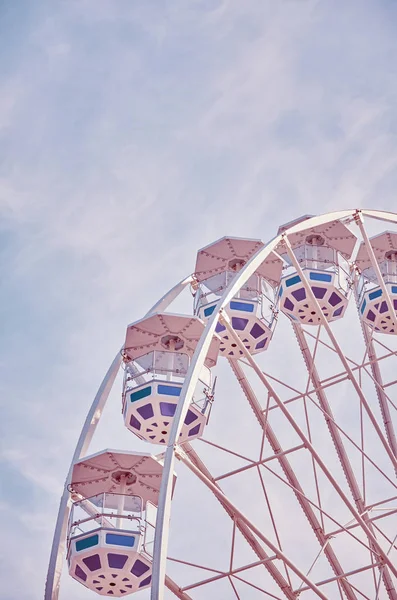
252, 311
377, 300
322, 253
112, 521
157, 354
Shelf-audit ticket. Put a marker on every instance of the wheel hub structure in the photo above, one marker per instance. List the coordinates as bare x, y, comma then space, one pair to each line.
270, 407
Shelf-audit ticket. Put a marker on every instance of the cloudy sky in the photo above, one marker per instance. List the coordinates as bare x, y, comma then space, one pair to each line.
133, 133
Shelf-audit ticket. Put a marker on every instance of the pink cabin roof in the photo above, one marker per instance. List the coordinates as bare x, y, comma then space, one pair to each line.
381, 244
100, 473
215, 258
154, 332
336, 235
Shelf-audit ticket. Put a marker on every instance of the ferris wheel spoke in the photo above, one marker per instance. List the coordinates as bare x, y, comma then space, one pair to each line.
243, 527
175, 589
228, 451
240, 516
291, 477
348, 574
384, 400
338, 442
342, 357
352, 442
256, 587
310, 447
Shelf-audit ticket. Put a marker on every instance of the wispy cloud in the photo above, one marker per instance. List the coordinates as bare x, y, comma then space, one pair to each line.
132, 134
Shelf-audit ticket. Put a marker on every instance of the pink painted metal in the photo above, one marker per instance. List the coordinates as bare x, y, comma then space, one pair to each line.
153, 333
222, 255
382, 243
336, 234
97, 473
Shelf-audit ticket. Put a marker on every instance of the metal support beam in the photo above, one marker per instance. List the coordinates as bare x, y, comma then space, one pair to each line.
339, 446
292, 479
309, 446
243, 528
338, 349
240, 516
59, 540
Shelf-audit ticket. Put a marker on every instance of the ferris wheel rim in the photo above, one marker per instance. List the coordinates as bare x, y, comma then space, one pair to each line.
243, 275
164, 509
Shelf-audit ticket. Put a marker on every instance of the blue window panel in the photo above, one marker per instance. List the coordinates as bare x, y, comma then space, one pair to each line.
320, 277
87, 542
375, 294
241, 306
292, 281
141, 394
209, 310
364, 304
169, 390
280, 293
120, 540
394, 289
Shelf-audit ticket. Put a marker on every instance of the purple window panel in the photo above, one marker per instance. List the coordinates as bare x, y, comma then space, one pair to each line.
334, 299
93, 562
117, 561
146, 411
288, 304
299, 294
261, 344
338, 311
139, 568
195, 430
319, 292
219, 328
190, 417
256, 331
371, 316
80, 573
167, 409
383, 307
145, 581
239, 324
135, 423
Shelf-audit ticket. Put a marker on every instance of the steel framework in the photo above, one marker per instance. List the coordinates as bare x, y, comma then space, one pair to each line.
311, 512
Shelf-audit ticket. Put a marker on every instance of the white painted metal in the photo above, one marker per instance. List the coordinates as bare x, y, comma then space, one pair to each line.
235, 511
343, 360
91, 422
94, 414
375, 266
161, 537
163, 515
309, 446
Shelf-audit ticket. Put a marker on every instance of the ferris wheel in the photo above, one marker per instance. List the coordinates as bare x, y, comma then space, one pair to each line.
271, 406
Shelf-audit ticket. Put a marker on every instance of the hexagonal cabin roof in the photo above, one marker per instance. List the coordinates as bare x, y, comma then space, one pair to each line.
99, 472
380, 244
215, 258
154, 332
335, 233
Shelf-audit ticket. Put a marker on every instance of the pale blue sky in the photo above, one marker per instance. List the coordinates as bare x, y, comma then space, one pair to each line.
131, 134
